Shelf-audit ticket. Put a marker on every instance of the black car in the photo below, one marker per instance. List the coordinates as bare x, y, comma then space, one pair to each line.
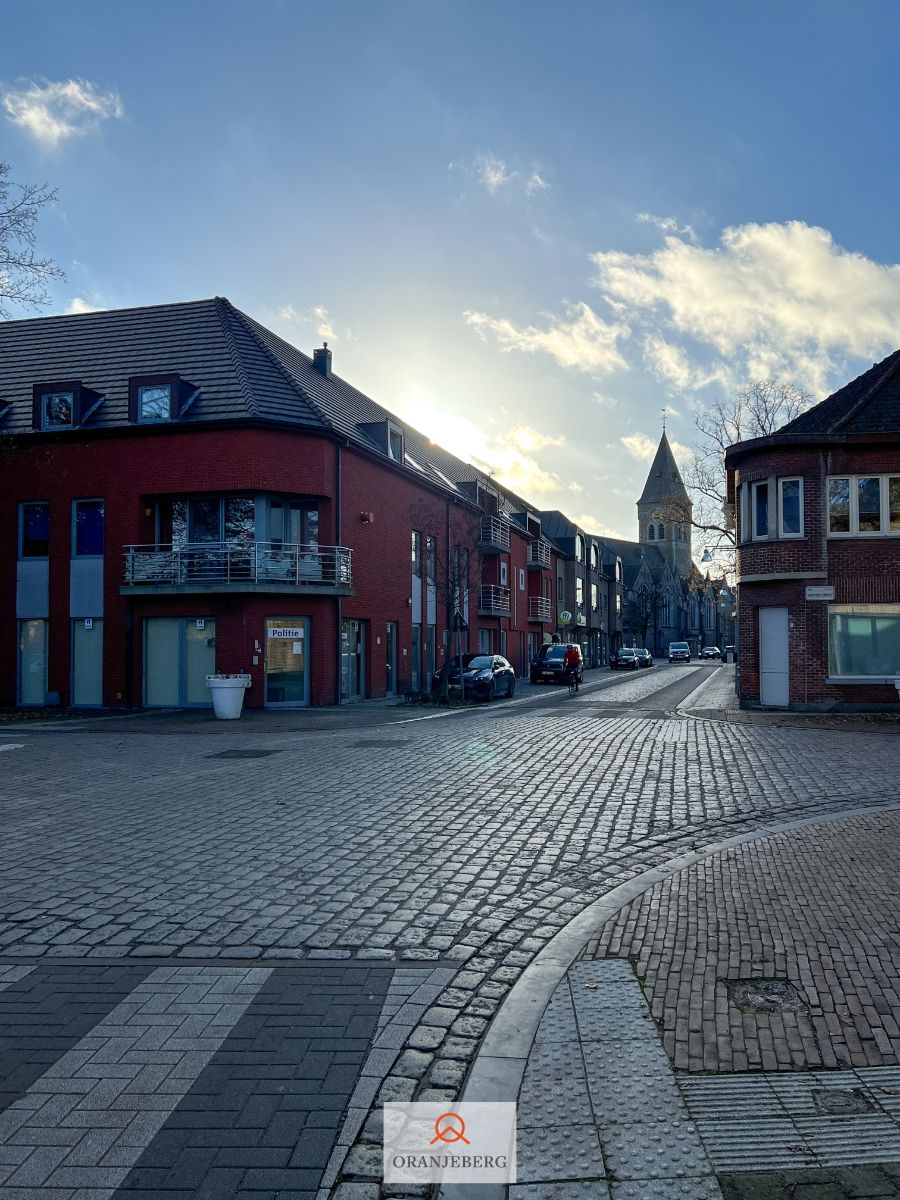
679, 652
711, 652
645, 658
625, 659
484, 676
548, 666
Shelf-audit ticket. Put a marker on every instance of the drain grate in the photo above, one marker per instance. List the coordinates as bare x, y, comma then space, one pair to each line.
243, 754
839, 1102
764, 995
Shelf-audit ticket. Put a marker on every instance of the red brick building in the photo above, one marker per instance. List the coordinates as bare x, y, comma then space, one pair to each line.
184, 492
817, 509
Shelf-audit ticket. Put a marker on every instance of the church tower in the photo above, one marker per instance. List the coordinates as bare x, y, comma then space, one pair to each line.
664, 511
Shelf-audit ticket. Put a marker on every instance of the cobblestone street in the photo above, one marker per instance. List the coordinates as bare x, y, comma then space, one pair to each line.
185, 894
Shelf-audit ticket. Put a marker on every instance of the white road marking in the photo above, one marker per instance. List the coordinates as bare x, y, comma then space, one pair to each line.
12, 745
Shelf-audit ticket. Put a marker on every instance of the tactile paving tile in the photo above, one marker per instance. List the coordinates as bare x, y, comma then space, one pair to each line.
635, 1100
883, 1087
756, 1145
695, 1188
634, 1060
596, 1189
796, 1089
616, 1024
546, 1100
558, 1022
845, 1141
555, 1058
556, 1152
720, 1097
663, 1150
603, 971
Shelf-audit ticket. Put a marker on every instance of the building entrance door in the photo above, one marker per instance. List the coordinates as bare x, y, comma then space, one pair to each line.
390, 650
179, 652
87, 663
352, 674
287, 677
774, 682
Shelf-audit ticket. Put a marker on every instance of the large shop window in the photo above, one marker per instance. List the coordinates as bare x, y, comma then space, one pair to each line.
864, 505
864, 639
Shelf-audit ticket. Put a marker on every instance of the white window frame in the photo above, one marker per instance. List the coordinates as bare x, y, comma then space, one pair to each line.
755, 536
885, 518
521, 579
782, 480
862, 610
504, 573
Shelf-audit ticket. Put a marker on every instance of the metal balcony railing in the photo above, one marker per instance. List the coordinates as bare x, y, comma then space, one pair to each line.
494, 601
539, 555
238, 563
540, 608
494, 534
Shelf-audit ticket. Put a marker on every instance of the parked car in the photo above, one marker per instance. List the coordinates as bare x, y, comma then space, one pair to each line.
645, 658
484, 676
626, 659
729, 654
679, 652
548, 666
710, 652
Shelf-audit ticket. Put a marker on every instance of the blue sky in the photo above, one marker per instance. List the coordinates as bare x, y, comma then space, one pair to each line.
526, 228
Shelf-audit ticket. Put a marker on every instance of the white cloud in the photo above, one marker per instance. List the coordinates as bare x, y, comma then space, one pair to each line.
497, 177
581, 339
775, 299
53, 112
666, 224
643, 448
78, 304
604, 401
524, 438
493, 172
317, 317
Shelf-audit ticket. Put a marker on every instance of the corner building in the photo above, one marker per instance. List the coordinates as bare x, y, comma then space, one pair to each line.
817, 513
183, 492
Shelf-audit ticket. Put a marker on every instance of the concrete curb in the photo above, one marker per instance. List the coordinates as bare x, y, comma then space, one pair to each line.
499, 1066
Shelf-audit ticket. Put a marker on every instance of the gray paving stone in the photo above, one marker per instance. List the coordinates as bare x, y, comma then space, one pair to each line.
657, 1150
594, 1190
559, 1152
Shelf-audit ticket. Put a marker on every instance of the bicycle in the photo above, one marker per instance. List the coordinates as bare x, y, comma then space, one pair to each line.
572, 681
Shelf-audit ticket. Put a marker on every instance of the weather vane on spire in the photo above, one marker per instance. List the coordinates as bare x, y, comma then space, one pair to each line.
665, 413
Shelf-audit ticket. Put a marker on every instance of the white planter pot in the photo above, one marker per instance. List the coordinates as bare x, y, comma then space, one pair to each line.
227, 695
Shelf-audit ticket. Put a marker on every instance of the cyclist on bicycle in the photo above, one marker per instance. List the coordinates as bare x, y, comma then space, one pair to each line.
570, 666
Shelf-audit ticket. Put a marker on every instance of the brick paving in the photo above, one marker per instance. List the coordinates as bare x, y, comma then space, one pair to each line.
819, 907
469, 840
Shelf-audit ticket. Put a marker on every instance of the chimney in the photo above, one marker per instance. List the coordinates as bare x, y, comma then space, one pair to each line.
322, 360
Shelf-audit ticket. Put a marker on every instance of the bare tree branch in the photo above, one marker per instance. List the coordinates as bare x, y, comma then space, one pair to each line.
24, 275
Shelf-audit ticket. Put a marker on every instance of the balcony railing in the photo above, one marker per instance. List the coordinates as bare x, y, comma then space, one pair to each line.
238, 563
539, 555
540, 608
494, 601
494, 534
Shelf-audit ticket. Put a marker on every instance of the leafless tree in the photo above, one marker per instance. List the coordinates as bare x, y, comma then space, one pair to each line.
757, 410
643, 609
23, 274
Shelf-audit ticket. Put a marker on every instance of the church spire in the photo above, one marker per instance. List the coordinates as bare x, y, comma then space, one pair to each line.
664, 481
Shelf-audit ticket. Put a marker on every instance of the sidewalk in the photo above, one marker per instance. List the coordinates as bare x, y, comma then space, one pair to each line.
731, 1032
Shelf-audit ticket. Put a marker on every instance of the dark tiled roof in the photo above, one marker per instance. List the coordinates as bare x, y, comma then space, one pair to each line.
869, 404
202, 340
243, 371
664, 481
632, 554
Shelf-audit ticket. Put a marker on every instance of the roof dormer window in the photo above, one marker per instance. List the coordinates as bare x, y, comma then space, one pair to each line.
158, 399
395, 443
57, 410
65, 404
154, 402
